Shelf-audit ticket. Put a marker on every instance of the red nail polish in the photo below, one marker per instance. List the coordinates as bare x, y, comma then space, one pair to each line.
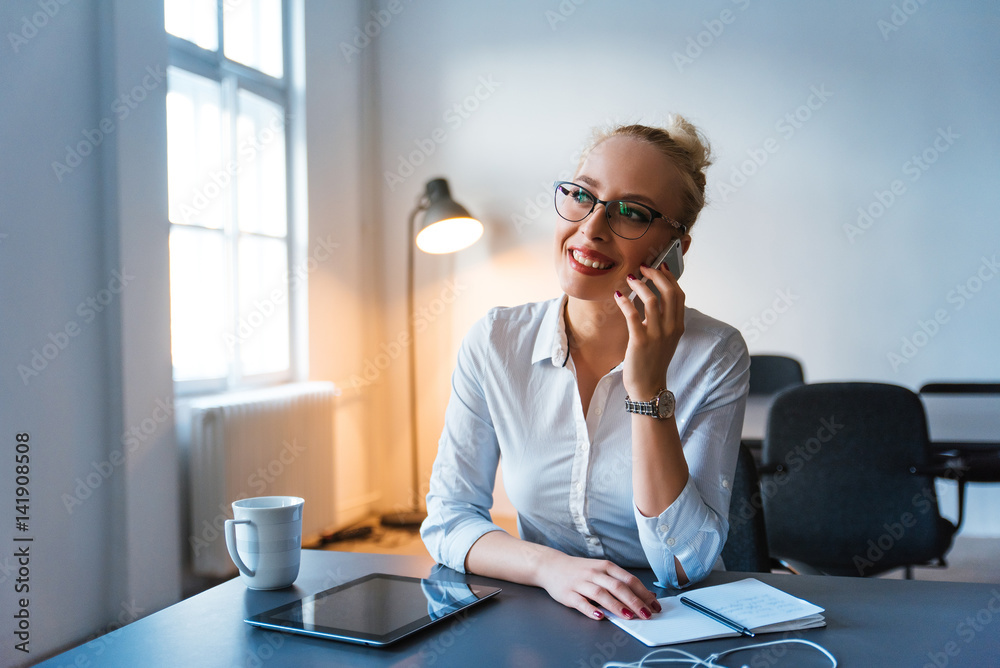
627, 614
655, 605
617, 294
645, 613
598, 614
631, 277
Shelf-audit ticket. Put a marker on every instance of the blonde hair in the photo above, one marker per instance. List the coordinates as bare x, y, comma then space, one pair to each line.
683, 144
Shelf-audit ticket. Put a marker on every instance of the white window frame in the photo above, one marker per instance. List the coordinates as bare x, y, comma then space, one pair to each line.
233, 77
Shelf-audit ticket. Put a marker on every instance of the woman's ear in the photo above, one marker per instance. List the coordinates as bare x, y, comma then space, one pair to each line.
685, 243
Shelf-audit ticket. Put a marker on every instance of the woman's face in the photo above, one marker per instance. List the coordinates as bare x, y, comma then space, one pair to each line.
591, 260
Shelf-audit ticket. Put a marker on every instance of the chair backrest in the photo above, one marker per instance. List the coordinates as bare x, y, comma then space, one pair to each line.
839, 493
772, 373
746, 545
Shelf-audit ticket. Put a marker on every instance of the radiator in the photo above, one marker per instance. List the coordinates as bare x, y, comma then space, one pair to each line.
267, 442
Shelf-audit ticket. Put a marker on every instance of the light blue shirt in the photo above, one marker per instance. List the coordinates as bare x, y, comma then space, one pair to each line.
515, 402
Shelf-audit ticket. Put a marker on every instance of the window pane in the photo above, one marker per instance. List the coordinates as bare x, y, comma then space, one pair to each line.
198, 315
197, 185
194, 20
260, 130
263, 316
252, 31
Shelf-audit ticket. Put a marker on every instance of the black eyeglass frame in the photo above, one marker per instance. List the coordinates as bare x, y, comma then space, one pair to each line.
681, 227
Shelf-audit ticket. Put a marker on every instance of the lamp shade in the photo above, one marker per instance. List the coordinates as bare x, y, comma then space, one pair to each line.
447, 226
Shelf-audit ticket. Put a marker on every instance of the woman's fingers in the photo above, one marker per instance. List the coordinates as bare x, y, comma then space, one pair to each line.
590, 585
650, 300
632, 318
622, 599
618, 591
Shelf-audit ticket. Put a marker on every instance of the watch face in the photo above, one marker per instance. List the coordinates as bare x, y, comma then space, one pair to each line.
665, 404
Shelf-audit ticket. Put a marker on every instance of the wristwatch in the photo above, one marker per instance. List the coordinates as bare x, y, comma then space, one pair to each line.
660, 408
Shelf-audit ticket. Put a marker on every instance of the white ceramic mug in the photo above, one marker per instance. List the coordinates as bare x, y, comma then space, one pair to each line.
265, 540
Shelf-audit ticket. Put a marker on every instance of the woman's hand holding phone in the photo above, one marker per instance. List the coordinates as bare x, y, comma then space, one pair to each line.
654, 332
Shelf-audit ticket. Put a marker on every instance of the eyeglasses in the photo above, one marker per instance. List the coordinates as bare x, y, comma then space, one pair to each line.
629, 220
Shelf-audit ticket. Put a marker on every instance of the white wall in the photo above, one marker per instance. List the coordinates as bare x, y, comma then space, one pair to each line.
560, 68
51, 261
341, 290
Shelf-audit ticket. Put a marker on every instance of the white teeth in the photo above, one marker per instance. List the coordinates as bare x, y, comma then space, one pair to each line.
589, 263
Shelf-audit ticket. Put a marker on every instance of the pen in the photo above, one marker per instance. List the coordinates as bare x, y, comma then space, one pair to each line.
717, 617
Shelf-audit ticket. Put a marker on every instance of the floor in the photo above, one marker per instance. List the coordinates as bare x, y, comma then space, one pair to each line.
971, 559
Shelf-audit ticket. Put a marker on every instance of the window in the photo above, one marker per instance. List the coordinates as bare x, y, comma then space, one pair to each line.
227, 105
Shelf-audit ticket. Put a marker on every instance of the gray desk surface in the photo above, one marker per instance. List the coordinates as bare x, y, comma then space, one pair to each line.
870, 622
965, 418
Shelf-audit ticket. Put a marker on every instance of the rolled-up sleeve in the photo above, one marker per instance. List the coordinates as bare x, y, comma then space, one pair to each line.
461, 486
693, 529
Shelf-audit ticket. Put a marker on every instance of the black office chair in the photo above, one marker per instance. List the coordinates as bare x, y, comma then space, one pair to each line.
746, 546
772, 373
844, 481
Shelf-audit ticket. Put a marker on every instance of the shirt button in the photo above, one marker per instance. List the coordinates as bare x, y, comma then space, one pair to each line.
578, 486
663, 528
671, 541
598, 411
725, 483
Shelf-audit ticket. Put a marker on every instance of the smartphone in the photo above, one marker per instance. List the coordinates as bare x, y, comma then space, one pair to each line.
674, 257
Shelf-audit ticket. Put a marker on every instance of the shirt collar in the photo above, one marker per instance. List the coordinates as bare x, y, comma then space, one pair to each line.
551, 342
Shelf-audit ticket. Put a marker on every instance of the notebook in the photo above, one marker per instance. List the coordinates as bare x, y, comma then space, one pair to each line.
757, 606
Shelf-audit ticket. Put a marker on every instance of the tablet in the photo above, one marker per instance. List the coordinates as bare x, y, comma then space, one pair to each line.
375, 610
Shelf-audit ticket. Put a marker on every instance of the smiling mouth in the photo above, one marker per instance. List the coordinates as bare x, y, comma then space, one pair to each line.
587, 262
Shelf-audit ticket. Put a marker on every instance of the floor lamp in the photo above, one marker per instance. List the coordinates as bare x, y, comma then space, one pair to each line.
446, 228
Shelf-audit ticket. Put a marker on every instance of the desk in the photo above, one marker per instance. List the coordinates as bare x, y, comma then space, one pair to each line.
964, 432
967, 423
870, 622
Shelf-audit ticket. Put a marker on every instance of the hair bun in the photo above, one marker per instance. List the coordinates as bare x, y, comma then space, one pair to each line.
683, 144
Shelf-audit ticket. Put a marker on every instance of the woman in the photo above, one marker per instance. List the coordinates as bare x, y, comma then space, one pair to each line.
543, 389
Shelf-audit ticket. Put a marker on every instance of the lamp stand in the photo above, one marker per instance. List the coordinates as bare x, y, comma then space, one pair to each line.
413, 517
